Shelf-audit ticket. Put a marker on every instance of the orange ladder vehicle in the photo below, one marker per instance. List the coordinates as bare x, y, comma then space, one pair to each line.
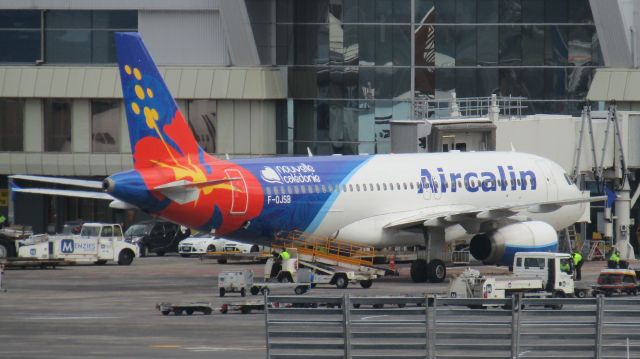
317, 249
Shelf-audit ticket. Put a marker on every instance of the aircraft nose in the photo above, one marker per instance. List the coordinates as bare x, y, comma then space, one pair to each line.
108, 185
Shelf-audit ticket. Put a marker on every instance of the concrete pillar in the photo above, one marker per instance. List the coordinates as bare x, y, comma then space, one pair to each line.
623, 221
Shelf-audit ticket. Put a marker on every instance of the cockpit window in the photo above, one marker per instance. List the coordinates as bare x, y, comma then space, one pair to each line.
568, 179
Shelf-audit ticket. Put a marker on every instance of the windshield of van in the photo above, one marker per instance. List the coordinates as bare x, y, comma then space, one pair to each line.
137, 230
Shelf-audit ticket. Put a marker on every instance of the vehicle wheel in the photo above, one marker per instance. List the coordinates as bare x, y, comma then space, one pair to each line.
177, 312
189, 311
356, 305
243, 292
165, 312
224, 309
264, 291
581, 293
378, 306
366, 284
185, 255
125, 257
7, 248
300, 290
419, 271
222, 261
557, 306
341, 281
634, 291
285, 277
212, 248
207, 311
254, 290
101, 262
436, 271
402, 305
254, 249
245, 310
160, 253
222, 291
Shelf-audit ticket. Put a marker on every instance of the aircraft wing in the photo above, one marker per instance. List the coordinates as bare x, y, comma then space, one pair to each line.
58, 180
66, 193
450, 215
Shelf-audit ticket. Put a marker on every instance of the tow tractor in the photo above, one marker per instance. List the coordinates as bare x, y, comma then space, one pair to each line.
616, 281
97, 243
535, 274
295, 270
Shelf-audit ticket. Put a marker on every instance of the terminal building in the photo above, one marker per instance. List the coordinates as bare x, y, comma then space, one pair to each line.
278, 77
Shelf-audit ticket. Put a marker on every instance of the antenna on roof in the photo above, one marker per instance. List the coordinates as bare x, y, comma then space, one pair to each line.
309, 152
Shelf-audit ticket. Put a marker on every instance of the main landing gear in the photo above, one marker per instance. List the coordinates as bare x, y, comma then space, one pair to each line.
434, 271
424, 268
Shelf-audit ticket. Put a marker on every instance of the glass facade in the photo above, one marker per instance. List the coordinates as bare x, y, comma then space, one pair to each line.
203, 120
70, 36
57, 125
105, 125
11, 124
349, 62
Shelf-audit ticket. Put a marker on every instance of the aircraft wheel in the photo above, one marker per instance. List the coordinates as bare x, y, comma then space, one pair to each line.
419, 271
436, 271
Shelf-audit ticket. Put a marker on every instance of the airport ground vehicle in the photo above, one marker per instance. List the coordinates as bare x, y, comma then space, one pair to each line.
96, 243
291, 271
538, 274
235, 281
205, 243
9, 237
184, 308
157, 237
616, 281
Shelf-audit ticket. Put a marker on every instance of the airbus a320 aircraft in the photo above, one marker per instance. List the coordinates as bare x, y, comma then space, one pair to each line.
503, 202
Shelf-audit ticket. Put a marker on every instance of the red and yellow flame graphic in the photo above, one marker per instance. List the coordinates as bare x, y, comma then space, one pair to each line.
159, 163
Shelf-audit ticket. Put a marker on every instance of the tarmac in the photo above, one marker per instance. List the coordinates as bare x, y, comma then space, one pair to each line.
91, 311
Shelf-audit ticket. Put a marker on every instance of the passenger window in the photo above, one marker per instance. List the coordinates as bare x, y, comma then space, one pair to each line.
358, 187
364, 187
296, 189
411, 185
289, 190
519, 262
107, 231
350, 188
378, 186
384, 186
282, 190
398, 186
303, 189
324, 189
330, 188
460, 184
268, 190
344, 188
275, 191
518, 181
117, 231
371, 186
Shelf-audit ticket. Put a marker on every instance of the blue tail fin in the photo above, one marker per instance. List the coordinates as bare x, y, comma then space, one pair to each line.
152, 113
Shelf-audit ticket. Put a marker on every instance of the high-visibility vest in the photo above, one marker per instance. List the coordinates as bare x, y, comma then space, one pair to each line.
577, 257
614, 257
285, 255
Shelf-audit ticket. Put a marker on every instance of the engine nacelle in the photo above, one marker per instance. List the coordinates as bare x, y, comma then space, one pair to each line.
499, 246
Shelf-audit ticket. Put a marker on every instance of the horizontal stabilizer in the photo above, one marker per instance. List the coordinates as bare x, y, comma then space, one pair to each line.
60, 180
66, 193
189, 184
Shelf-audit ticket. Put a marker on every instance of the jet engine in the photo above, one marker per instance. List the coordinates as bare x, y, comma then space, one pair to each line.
500, 245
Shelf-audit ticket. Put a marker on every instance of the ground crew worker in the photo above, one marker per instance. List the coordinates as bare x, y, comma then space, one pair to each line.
285, 255
577, 263
3, 220
565, 267
614, 259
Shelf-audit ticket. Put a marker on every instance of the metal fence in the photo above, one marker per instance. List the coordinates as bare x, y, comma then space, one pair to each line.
429, 327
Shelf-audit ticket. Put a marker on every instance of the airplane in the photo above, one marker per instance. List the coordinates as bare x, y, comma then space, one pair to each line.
501, 202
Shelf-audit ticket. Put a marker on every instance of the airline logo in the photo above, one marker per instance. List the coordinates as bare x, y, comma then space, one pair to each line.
66, 246
485, 181
290, 174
